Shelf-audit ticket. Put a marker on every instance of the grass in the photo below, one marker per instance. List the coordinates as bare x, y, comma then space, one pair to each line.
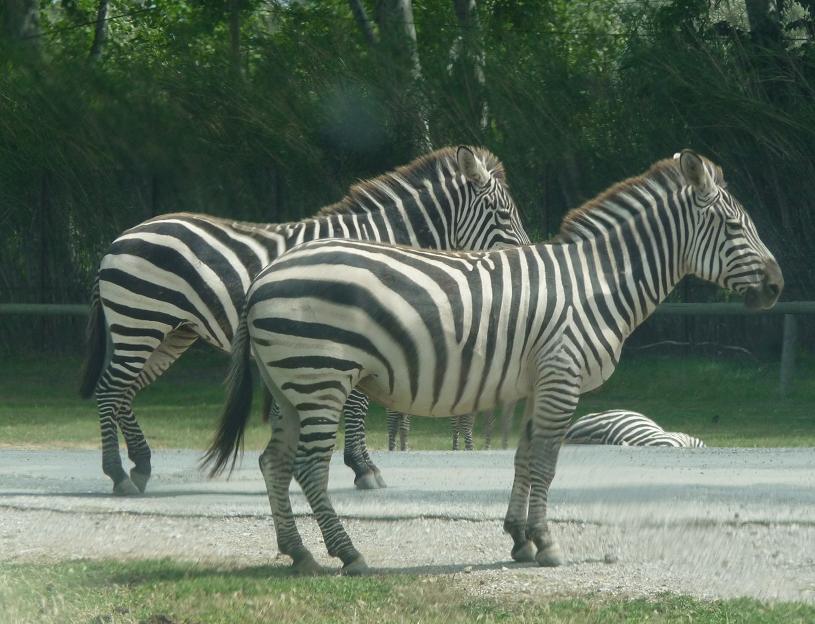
165, 592
725, 402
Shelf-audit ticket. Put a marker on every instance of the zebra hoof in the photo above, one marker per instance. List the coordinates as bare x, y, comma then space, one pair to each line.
139, 480
380, 480
524, 553
549, 556
306, 566
367, 481
125, 487
357, 567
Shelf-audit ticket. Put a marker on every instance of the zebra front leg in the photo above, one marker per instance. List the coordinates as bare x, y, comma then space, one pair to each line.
404, 430
367, 475
489, 422
393, 428
556, 397
454, 429
468, 421
523, 550
277, 466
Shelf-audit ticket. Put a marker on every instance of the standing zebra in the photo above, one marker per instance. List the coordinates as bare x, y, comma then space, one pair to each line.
434, 334
179, 277
398, 423
505, 413
462, 427
625, 428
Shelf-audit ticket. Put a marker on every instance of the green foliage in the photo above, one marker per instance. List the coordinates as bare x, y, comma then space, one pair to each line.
579, 95
725, 402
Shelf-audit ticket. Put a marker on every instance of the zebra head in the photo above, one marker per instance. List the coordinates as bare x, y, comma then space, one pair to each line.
488, 219
724, 246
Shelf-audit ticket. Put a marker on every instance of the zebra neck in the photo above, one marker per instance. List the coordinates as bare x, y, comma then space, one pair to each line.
414, 216
637, 263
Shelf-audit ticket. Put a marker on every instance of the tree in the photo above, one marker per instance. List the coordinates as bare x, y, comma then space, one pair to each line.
100, 31
398, 45
21, 25
467, 60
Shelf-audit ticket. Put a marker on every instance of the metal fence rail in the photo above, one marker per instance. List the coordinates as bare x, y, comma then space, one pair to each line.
788, 309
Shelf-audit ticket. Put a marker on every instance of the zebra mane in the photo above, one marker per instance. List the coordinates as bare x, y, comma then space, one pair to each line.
578, 223
422, 168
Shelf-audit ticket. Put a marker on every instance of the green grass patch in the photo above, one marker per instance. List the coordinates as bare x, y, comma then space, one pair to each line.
725, 402
164, 592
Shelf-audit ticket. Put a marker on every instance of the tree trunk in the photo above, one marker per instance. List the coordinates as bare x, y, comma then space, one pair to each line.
361, 17
468, 55
765, 26
235, 37
398, 40
21, 24
100, 32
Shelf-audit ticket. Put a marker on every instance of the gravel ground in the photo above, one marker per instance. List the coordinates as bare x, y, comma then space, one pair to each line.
775, 562
714, 525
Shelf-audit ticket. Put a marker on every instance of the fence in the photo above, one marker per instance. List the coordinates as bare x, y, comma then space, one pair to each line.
788, 309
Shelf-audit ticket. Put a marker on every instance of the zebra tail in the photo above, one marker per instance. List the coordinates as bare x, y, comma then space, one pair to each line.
266, 405
96, 346
228, 442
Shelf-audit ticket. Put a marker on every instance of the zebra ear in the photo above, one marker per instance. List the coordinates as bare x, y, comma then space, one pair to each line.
695, 173
471, 166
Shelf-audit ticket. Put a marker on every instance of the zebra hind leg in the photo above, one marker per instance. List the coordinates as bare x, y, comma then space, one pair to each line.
367, 475
113, 390
319, 421
138, 451
277, 467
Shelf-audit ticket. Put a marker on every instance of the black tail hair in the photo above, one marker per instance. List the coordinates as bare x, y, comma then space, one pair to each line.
96, 341
228, 442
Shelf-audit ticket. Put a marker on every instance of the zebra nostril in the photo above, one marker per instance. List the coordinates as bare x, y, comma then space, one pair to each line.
774, 289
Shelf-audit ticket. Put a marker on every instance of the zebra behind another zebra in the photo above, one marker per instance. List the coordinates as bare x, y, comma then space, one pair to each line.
462, 427
179, 277
625, 428
438, 334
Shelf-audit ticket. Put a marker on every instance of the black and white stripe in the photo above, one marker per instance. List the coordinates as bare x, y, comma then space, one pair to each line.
438, 334
177, 278
625, 428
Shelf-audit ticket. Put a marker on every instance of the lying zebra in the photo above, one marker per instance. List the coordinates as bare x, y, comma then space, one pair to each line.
437, 333
625, 428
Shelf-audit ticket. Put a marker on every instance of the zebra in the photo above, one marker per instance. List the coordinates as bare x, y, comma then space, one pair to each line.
438, 333
398, 423
460, 426
179, 277
504, 413
625, 428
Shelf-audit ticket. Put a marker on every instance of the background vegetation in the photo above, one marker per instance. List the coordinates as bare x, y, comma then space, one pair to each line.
112, 111
733, 403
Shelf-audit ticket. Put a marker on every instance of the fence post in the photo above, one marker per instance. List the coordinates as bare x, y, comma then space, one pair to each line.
788, 345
